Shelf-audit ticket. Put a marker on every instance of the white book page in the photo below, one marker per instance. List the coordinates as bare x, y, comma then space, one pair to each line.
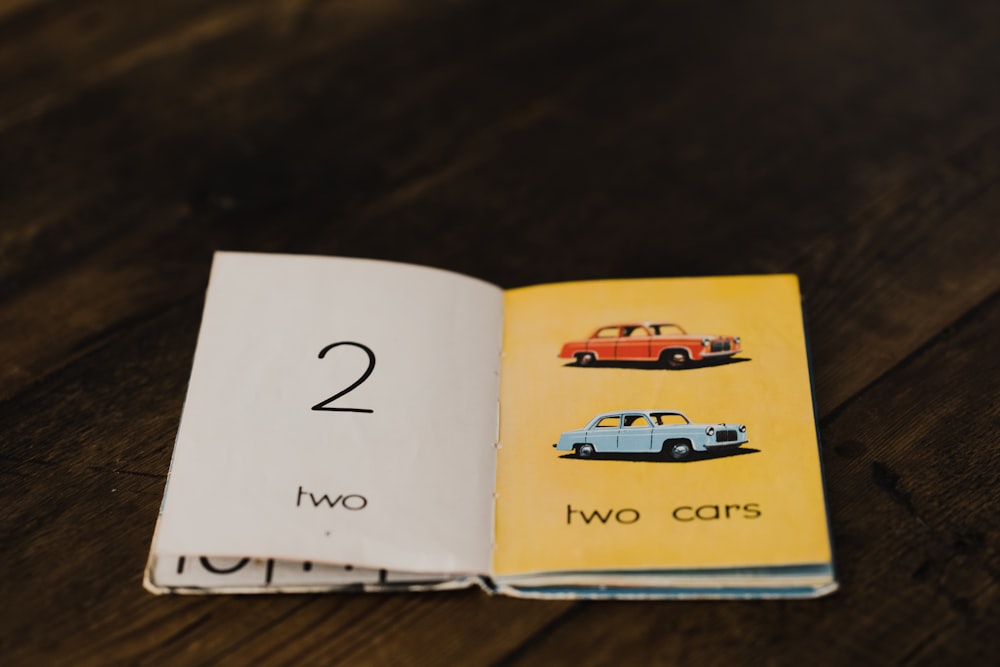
396, 473
201, 574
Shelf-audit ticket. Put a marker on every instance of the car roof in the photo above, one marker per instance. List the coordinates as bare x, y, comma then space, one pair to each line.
640, 324
640, 411
645, 323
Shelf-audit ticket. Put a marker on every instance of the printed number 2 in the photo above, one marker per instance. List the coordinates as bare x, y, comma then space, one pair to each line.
322, 405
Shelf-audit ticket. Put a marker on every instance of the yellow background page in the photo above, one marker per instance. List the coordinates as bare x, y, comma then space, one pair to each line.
543, 396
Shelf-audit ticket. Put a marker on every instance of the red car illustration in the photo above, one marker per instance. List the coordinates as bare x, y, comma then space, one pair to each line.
666, 343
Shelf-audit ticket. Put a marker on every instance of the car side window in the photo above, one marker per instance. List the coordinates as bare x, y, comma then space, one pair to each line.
667, 419
607, 332
667, 330
608, 422
636, 421
636, 332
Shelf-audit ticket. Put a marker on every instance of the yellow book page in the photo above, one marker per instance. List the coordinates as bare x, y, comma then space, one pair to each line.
753, 503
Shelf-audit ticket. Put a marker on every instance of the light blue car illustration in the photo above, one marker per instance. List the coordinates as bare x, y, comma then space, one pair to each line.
665, 432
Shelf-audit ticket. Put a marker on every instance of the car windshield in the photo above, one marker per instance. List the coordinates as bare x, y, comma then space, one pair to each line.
667, 418
667, 329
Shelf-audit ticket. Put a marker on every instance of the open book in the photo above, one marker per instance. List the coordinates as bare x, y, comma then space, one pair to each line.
366, 425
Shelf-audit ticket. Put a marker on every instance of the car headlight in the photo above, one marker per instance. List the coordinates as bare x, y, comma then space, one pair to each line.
706, 341
737, 340
743, 428
710, 430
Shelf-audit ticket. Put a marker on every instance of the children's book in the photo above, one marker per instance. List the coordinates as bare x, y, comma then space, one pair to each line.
362, 425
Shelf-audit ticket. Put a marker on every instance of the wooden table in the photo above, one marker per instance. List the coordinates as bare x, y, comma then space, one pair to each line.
857, 145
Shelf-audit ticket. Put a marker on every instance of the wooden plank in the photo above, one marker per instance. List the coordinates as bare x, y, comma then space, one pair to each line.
140, 114
491, 138
915, 525
9, 8
259, 193
65, 47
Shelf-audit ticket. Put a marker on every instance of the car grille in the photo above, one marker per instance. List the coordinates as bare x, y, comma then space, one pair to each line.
726, 435
721, 346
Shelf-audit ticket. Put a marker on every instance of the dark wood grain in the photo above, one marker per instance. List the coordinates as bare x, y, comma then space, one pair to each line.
857, 145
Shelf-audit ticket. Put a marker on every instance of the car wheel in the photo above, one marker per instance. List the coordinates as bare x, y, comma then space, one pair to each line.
585, 359
680, 450
675, 358
585, 451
